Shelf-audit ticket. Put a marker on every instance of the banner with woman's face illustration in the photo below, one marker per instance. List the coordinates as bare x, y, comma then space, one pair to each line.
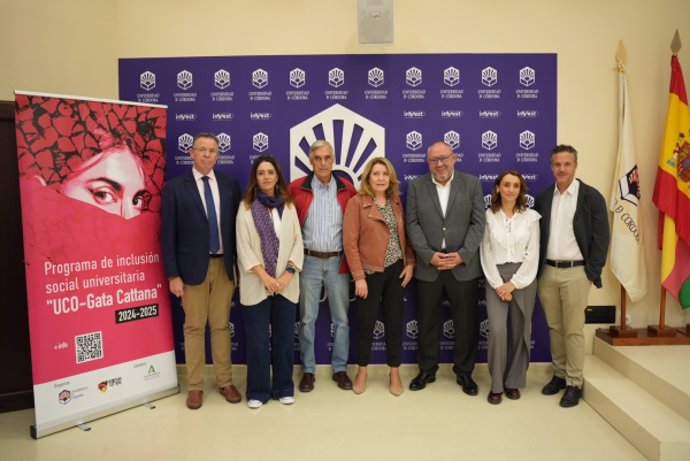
91, 175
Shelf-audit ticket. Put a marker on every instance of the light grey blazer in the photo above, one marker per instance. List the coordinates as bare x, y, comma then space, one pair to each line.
462, 226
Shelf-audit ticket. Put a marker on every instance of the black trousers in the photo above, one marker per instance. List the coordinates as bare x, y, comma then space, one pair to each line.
384, 292
463, 297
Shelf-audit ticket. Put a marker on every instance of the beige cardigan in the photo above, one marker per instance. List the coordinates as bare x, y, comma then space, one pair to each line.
252, 291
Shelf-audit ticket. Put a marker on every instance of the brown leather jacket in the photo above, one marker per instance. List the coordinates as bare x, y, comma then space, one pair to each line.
365, 235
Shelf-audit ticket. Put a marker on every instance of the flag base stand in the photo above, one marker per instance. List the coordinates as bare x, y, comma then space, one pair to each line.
685, 331
661, 331
643, 338
623, 332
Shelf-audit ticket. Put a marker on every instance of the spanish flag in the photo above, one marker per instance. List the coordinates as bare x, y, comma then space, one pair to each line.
672, 192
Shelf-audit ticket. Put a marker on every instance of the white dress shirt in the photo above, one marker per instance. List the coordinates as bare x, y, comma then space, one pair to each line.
562, 244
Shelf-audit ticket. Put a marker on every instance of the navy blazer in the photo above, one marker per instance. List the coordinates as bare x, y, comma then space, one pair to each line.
590, 225
184, 227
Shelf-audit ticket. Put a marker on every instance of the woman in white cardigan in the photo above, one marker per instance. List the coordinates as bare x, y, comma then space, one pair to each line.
510, 256
270, 254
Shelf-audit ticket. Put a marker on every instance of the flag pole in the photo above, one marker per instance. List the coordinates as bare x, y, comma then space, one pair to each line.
662, 330
622, 331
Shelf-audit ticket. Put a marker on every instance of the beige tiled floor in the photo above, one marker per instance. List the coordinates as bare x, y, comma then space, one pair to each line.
438, 423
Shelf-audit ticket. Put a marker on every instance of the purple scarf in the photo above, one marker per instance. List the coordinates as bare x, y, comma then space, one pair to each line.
264, 225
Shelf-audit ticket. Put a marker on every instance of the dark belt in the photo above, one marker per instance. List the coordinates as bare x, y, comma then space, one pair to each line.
215, 255
564, 264
319, 254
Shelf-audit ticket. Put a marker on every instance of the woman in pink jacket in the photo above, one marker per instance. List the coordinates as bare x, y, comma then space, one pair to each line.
381, 262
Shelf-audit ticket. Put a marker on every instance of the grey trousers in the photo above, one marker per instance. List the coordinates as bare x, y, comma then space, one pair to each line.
510, 332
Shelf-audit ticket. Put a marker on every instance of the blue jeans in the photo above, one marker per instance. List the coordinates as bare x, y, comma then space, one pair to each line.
318, 273
278, 313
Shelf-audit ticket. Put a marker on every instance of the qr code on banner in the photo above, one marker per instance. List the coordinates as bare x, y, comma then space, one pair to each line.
89, 346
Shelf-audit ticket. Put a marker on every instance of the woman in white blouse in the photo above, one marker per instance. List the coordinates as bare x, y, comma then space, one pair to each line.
510, 257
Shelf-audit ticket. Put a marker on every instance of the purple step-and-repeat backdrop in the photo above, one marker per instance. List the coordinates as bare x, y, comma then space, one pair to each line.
498, 111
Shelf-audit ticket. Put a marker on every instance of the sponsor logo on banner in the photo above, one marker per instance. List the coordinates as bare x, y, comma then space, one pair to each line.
104, 385
452, 138
332, 330
413, 76
490, 114
224, 145
351, 152
527, 77
489, 142
185, 142
260, 116
527, 113
412, 329
224, 142
221, 79
449, 329
185, 80
336, 79
414, 140
298, 78
234, 345
375, 78
487, 197
489, 79
260, 81
64, 396
379, 330
414, 114
185, 117
451, 78
452, 113
147, 82
530, 200
222, 116
483, 343
296, 329
151, 373
260, 142
528, 141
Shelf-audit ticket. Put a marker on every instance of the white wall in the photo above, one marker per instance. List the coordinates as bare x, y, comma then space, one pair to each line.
72, 47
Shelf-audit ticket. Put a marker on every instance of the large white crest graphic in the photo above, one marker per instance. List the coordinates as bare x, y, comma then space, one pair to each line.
355, 140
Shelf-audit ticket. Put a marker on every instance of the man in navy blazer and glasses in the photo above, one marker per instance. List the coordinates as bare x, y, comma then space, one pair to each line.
198, 244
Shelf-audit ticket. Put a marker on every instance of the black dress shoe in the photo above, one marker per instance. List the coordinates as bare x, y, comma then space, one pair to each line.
468, 385
554, 386
512, 393
422, 379
307, 382
342, 380
494, 398
571, 397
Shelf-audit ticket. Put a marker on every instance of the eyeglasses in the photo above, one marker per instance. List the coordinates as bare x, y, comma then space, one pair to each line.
436, 160
203, 150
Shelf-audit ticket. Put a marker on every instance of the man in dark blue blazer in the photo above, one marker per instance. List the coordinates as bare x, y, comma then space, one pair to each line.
574, 238
198, 243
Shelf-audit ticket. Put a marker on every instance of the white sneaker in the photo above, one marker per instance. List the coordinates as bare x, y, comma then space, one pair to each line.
289, 400
254, 404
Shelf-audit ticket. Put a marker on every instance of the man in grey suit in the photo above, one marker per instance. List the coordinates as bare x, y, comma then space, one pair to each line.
445, 223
